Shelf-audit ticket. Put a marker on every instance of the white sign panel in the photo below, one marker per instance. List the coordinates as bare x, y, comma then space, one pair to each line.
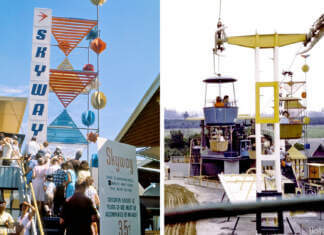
39, 76
118, 189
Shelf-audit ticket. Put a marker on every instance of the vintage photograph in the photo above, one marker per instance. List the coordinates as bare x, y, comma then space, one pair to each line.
243, 116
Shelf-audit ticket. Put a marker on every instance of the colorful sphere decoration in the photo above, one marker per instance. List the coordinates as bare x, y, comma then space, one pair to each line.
92, 137
98, 2
88, 118
305, 68
306, 120
304, 94
98, 100
88, 67
92, 34
97, 45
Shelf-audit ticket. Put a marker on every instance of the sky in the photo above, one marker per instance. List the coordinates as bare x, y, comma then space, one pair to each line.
128, 66
187, 39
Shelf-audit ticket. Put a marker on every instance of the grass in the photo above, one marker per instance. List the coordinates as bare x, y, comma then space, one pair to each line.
316, 131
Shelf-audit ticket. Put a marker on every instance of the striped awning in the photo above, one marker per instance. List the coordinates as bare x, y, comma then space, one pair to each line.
69, 32
68, 84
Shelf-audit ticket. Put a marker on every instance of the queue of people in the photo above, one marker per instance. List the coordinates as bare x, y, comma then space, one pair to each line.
58, 183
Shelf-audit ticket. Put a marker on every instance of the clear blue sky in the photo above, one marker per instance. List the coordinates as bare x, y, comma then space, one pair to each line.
131, 62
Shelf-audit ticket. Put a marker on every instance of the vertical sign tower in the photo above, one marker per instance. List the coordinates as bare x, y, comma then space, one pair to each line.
39, 77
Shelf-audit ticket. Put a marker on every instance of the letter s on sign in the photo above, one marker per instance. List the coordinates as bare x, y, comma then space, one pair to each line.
41, 34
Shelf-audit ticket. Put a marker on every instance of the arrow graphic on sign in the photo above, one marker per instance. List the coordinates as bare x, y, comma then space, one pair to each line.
43, 16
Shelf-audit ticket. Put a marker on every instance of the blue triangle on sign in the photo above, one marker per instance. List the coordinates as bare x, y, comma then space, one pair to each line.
63, 130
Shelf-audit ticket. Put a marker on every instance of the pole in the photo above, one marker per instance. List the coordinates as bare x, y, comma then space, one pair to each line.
277, 125
98, 90
88, 158
258, 129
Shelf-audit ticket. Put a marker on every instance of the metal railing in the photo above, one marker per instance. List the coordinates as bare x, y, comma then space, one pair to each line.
39, 221
219, 210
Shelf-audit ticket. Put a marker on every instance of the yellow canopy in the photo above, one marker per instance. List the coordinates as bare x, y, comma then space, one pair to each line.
293, 104
295, 154
266, 40
12, 111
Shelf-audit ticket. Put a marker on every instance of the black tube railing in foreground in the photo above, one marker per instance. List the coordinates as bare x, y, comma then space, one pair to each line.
219, 210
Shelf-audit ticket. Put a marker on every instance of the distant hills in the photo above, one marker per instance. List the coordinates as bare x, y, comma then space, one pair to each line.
174, 119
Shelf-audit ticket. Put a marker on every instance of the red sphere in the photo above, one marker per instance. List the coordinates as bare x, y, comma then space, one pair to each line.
88, 67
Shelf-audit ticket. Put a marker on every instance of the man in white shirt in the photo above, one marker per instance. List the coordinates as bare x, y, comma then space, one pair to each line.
6, 220
32, 147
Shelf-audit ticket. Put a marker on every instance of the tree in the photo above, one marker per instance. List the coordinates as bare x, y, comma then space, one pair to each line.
177, 140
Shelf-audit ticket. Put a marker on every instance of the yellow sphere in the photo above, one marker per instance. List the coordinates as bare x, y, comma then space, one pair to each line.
306, 120
305, 68
98, 2
98, 100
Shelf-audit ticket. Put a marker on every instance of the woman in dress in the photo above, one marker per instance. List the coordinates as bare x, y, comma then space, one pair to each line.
39, 173
70, 180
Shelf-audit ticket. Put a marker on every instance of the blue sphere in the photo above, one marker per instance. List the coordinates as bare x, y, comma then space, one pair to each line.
88, 118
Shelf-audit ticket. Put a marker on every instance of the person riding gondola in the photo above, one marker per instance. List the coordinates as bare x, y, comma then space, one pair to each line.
285, 118
219, 102
226, 101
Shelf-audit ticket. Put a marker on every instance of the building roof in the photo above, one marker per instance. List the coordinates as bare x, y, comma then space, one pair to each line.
142, 129
295, 154
314, 144
12, 110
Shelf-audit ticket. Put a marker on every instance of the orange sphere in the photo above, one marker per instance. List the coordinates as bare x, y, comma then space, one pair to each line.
97, 45
304, 94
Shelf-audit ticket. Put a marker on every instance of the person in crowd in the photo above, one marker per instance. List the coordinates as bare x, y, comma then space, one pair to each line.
27, 212
7, 151
57, 151
59, 177
226, 101
32, 147
78, 155
91, 192
83, 172
285, 118
45, 148
219, 102
78, 213
76, 165
6, 220
15, 153
39, 173
70, 180
54, 166
30, 164
49, 189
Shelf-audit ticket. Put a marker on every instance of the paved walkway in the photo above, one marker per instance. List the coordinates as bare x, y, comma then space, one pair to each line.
303, 224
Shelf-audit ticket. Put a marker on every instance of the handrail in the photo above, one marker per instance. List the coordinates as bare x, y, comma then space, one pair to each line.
219, 210
40, 225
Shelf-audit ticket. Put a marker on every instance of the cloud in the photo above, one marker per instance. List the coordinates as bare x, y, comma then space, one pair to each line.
14, 91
